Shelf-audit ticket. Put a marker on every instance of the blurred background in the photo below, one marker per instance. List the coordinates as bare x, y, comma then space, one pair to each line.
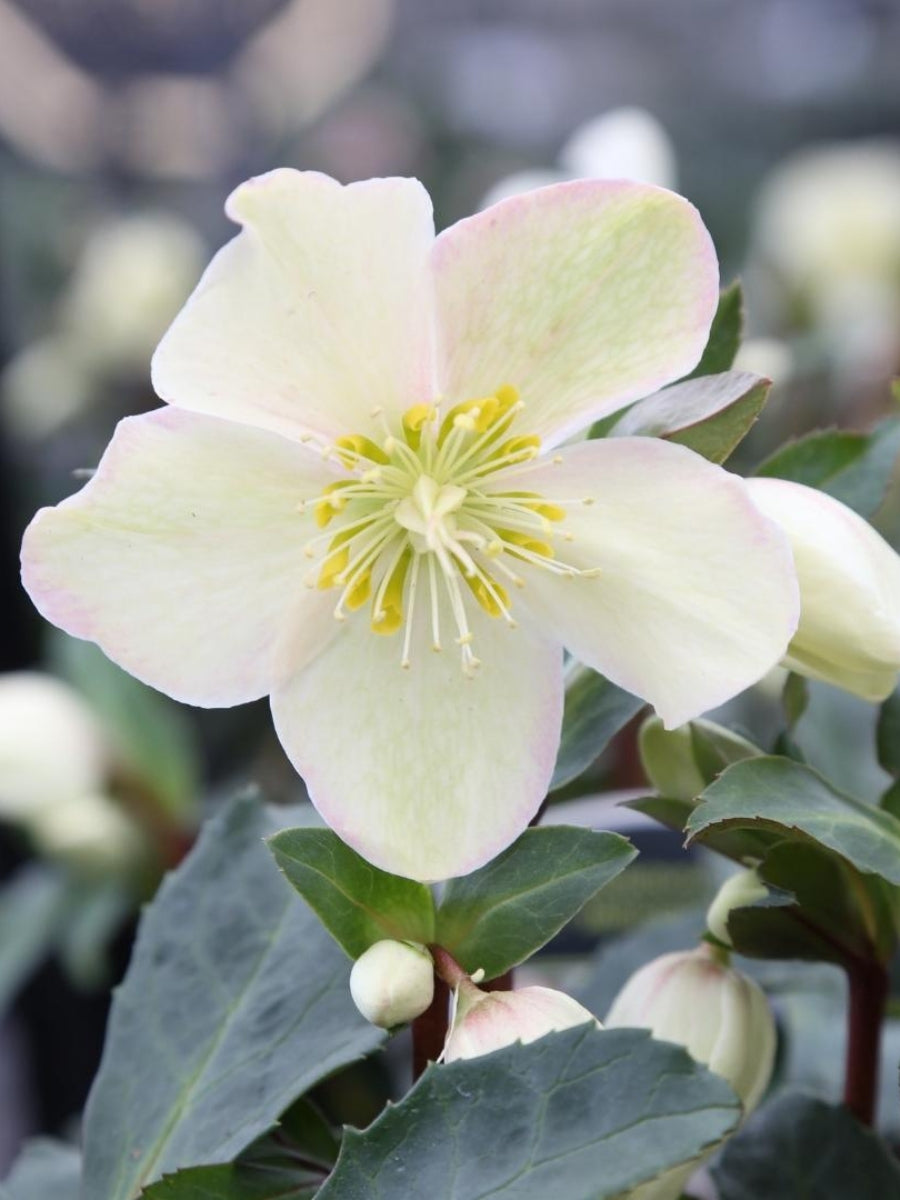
124, 124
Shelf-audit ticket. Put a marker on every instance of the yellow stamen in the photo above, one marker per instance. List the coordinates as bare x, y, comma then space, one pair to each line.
414, 420
532, 545
360, 447
388, 617
491, 596
360, 592
333, 565
330, 503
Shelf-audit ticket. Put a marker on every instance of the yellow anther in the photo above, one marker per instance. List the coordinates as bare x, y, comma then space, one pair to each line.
537, 504
524, 447
330, 502
359, 447
525, 541
334, 564
359, 593
389, 617
550, 512
414, 421
493, 599
507, 397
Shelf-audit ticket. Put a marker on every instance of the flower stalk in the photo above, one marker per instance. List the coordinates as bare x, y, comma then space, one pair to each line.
868, 984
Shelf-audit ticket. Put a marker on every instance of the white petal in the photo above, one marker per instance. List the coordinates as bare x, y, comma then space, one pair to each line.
849, 576
183, 557
583, 296
697, 596
316, 314
52, 747
425, 772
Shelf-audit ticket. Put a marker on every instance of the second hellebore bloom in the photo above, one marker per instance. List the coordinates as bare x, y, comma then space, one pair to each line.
360, 500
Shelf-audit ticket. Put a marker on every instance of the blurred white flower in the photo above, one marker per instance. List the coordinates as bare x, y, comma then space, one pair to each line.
828, 222
767, 356
44, 387
55, 762
133, 276
625, 143
392, 982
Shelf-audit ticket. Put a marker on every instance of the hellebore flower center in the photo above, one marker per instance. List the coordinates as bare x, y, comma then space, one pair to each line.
431, 509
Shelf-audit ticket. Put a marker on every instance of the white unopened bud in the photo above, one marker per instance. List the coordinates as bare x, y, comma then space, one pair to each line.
392, 983
849, 632
740, 890
721, 1017
91, 834
487, 1021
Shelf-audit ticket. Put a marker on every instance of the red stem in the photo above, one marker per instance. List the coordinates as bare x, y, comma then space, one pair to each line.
868, 999
429, 1031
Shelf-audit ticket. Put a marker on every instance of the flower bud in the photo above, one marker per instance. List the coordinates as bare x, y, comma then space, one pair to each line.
486, 1021
721, 1017
92, 834
681, 762
740, 890
392, 983
849, 632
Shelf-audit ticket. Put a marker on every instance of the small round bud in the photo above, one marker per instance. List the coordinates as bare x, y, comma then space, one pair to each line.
392, 983
487, 1021
720, 1016
740, 890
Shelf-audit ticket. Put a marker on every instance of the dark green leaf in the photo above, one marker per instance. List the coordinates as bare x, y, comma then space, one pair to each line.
890, 801
45, 1170
776, 794
32, 908
814, 914
725, 334
595, 711
498, 916
96, 912
855, 468
585, 1115
289, 1164
235, 1003
710, 415
237, 1181
151, 732
356, 902
799, 1148
888, 734
737, 843
308, 1133
794, 698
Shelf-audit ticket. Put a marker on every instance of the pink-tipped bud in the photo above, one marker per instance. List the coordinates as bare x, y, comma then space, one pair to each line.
486, 1021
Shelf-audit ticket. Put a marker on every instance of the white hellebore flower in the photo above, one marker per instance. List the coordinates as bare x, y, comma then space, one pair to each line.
392, 983
55, 762
488, 1021
849, 632
360, 500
